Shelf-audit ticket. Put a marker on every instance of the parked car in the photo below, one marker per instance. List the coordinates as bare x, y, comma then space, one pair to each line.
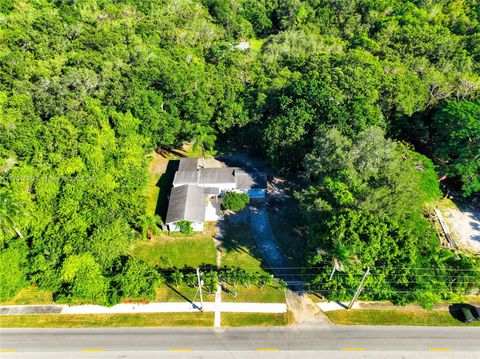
470, 313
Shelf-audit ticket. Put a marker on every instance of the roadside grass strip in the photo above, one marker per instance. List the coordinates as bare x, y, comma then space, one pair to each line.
180, 350
267, 349
439, 349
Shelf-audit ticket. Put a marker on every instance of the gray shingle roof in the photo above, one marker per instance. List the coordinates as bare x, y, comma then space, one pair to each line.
188, 164
244, 180
186, 203
247, 181
185, 177
216, 175
211, 190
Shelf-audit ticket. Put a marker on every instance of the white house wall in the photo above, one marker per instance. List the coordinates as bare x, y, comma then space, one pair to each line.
196, 226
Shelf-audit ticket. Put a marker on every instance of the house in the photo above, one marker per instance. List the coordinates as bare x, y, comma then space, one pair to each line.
196, 192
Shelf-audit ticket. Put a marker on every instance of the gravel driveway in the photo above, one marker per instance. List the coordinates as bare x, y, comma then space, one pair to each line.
262, 232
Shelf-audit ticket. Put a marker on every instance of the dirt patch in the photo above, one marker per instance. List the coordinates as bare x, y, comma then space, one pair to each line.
304, 310
464, 221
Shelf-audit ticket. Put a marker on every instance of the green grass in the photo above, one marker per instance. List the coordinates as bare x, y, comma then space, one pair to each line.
182, 293
176, 250
239, 248
256, 44
253, 294
108, 320
395, 317
315, 298
256, 319
31, 295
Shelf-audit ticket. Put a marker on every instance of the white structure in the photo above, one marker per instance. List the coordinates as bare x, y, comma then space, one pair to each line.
195, 192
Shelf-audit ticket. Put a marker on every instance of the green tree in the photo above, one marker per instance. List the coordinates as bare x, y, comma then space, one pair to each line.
235, 201
10, 211
177, 277
456, 141
83, 280
13, 270
204, 139
138, 280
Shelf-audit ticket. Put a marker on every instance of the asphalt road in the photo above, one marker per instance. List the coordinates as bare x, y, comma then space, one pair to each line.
294, 342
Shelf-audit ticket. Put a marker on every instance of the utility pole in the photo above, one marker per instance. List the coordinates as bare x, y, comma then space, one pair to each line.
359, 289
200, 289
331, 274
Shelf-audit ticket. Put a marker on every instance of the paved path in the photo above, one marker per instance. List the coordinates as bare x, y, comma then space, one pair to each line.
174, 307
265, 239
305, 342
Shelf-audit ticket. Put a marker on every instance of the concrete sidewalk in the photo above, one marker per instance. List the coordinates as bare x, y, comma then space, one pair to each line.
174, 307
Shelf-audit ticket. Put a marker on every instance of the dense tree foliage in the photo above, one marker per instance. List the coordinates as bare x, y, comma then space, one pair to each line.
451, 133
88, 88
235, 201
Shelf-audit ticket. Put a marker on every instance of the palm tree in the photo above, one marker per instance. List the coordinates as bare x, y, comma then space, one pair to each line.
9, 212
150, 225
204, 138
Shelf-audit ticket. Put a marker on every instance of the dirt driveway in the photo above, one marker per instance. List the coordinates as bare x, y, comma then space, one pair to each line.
266, 242
464, 220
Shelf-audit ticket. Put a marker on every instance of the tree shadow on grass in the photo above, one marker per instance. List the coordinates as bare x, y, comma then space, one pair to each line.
165, 185
235, 236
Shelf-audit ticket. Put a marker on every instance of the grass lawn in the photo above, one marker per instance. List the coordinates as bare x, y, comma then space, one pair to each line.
239, 248
395, 317
315, 298
108, 320
31, 295
253, 294
183, 293
256, 319
177, 250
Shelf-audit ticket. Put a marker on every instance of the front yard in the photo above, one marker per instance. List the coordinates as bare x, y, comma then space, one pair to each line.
178, 250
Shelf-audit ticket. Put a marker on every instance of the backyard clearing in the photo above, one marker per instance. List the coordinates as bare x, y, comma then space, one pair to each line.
464, 220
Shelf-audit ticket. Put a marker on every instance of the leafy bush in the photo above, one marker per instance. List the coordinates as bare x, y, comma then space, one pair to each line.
83, 280
138, 280
185, 227
210, 281
235, 201
12, 271
177, 278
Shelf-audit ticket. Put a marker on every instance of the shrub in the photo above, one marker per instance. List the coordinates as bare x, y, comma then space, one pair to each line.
138, 280
185, 227
210, 281
235, 201
177, 278
83, 280
12, 272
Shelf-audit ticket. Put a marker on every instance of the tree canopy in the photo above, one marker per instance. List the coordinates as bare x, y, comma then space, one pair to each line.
327, 90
